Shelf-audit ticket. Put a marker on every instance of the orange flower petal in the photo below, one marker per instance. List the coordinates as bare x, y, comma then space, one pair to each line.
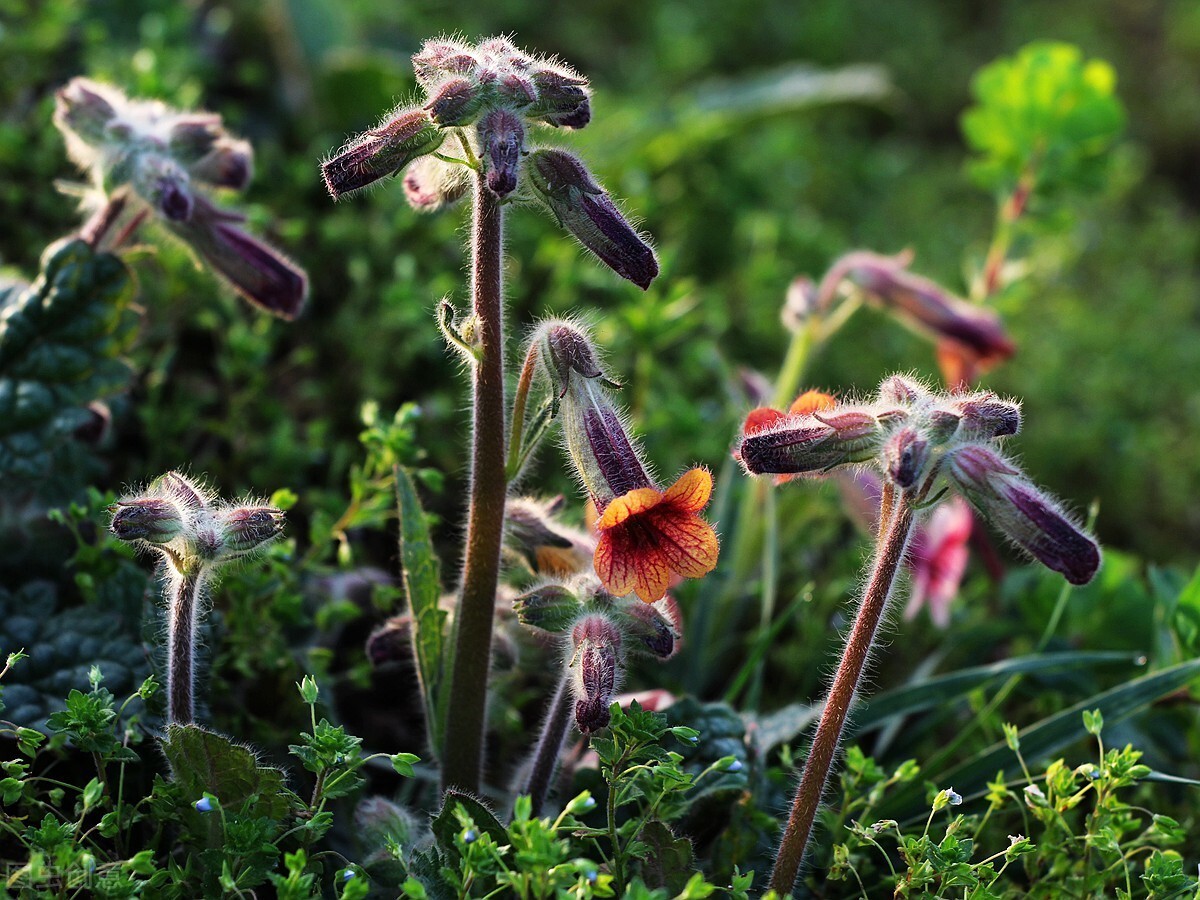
761, 419
687, 542
629, 504
810, 402
626, 565
691, 492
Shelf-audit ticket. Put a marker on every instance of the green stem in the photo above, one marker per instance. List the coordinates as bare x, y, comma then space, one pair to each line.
516, 434
549, 748
889, 553
466, 709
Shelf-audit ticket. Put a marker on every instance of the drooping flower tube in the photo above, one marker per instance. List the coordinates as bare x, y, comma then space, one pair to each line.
648, 534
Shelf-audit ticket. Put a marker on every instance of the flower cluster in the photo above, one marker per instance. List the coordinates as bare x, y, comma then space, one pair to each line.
180, 519
920, 440
603, 630
480, 103
162, 160
648, 534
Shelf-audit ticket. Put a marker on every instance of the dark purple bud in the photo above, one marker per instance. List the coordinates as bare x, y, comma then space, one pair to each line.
256, 270
456, 101
651, 631
597, 643
516, 91
390, 642
245, 529
439, 58
181, 489
562, 98
905, 455
901, 391
563, 183
814, 443
174, 200
193, 136
613, 455
82, 108
977, 469
154, 520
565, 348
1052, 538
405, 136
502, 139
986, 416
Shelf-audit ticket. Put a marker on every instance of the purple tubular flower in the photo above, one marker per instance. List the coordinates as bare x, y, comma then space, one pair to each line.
814, 443
502, 138
582, 207
614, 455
1024, 513
597, 642
257, 271
151, 519
405, 136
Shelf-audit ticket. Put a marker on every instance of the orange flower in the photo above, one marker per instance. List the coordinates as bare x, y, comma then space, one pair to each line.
646, 535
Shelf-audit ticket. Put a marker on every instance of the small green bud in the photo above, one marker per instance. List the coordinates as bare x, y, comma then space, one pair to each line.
308, 689
550, 608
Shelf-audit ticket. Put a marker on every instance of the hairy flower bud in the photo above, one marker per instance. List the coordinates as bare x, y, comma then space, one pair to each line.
900, 390
182, 490
595, 665
565, 349
564, 185
986, 416
551, 607
813, 443
154, 520
455, 102
799, 304
607, 461
653, 627
501, 139
245, 529
402, 137
1024, 513
390, 642
84, 108
439, 58
905, 455
543, 543
562, 98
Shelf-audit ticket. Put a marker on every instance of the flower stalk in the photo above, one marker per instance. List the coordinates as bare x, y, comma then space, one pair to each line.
467, 706
894, 537
549, 746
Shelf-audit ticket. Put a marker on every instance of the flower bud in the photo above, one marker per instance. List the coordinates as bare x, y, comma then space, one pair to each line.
404, 136
543, 543
898, 389
595, 666
257, 271
606, 459
163, 183
653, 627
501, 138
582, 207
551, 608
455, 102
439, 58
229, 164
430, 184
562, 98
813, 443
799, 304
516, 91
192, 136
565, 348
986, 416
181, 489
390, 642
154, 520
1024, 513
245, 529
905, 455
84, 108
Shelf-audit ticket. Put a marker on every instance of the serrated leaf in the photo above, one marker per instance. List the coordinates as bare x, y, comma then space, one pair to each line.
422, 585
204, 762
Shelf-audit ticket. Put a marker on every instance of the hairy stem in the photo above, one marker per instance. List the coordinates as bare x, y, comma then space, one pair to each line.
889, 553
516, 435
102, 220
549, 747
467, 705
181, 643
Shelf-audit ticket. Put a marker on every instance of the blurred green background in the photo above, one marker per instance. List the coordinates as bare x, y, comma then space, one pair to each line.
740, 196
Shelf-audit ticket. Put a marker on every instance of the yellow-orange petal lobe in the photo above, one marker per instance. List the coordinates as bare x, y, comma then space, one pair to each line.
633, 503
691, 491
810, 402
761, 419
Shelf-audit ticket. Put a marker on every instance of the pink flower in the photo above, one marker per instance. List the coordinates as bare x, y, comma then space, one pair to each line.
937, 560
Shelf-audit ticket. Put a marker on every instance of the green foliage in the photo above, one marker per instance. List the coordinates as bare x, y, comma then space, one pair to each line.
60, 346
1044, 116
1070, 832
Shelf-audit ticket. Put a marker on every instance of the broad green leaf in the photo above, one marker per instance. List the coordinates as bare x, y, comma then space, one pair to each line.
423, 586
447, 826
61, 342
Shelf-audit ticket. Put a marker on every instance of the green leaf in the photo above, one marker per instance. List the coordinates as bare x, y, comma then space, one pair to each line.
446, 826
1045, 737
60, 347
1045, 116
423, 587
203, 762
